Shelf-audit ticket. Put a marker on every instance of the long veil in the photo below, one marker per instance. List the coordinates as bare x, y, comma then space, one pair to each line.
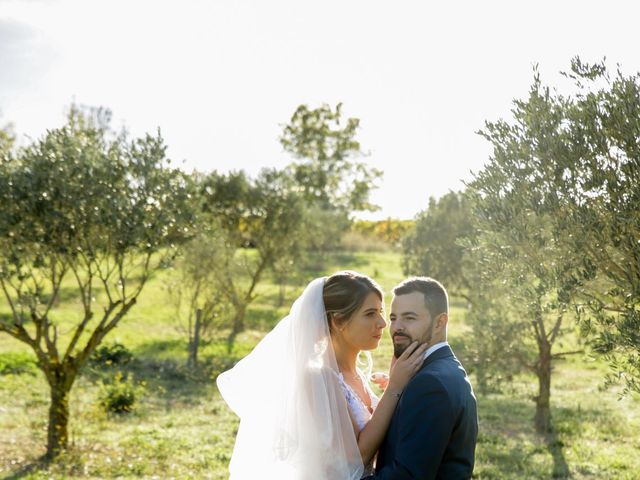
294, 419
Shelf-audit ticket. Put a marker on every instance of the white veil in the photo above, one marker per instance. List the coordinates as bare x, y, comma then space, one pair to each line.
294, 419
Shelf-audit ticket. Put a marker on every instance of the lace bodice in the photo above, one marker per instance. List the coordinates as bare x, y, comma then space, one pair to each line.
358, 409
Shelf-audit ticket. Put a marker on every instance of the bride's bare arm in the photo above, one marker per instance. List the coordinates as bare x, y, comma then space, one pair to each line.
371, 436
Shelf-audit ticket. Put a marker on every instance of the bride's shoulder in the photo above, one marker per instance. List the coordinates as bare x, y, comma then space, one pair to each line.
324, 372
324, 378
327, 371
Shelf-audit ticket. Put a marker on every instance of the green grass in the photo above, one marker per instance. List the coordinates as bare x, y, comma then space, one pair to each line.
182, 429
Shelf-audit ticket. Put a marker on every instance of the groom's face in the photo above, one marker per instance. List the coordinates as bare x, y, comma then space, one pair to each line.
410, 321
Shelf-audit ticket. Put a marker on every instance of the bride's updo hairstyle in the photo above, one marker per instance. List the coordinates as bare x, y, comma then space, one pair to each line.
344, 293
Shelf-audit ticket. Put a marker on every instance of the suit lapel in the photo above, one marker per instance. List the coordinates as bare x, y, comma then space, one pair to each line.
442, 352
391, 438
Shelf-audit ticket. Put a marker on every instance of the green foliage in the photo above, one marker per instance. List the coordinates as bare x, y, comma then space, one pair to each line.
79, 192
260, 213
324, 228
225, 199
603, 130
120, 394
432, 247
13, 363
267, 214
7, 139
115, 354
575, 160
84, 202
325, 150
201, 308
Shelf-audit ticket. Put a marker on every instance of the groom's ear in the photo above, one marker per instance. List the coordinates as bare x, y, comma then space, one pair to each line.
442, 320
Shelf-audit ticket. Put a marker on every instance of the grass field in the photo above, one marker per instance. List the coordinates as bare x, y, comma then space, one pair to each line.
182, 429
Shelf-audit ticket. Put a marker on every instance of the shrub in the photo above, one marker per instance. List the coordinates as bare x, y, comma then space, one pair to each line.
119, 396
111, 355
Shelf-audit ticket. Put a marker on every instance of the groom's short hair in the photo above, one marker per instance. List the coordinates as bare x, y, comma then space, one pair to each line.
435, 295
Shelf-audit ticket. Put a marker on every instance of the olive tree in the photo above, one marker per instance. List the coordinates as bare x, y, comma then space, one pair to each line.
260, 224
598, 209
201, 309
577, 161
518, 234
522, 297
433, 246
327, 171
326, 150
89, 215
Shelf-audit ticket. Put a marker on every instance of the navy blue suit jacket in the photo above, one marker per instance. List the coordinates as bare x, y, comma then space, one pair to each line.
434, 429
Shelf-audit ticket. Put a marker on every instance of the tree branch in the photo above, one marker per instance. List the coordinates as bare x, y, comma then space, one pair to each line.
55, 285
556, 329
256, 278
77, 335
16, 318
562, 354
45, 326
104, 277
523, 362
102, 329
144, 278
121, 278
606, 261
603, 305
542, 332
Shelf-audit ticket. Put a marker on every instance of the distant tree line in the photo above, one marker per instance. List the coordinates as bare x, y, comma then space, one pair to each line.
390, 230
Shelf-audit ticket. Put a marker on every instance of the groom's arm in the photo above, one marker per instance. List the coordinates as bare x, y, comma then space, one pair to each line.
426, 423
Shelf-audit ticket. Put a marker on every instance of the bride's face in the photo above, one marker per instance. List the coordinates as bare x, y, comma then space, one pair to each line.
364, 329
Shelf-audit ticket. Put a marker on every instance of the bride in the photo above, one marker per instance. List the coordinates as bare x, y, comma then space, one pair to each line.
306, 410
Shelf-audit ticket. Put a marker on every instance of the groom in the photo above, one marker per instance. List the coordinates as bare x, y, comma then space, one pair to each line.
435, 426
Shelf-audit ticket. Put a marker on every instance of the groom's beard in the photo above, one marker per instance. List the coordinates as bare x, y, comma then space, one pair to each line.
399, 349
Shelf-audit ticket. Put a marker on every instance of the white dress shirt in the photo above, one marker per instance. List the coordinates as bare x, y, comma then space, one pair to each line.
434, 347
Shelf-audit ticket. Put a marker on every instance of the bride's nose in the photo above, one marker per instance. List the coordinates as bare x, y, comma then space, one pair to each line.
382, 323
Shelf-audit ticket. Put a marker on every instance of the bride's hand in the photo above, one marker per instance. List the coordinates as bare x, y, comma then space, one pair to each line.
406, 366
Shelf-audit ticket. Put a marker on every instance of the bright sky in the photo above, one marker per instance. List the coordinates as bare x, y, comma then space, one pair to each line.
220, 78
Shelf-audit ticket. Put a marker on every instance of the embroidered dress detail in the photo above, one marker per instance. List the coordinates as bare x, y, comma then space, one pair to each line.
358, 408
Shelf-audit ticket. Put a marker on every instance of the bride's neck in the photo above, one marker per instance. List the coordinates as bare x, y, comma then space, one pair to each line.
346, 356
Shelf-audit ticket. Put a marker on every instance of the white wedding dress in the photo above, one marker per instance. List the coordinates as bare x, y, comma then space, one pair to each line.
295, 421
359, 411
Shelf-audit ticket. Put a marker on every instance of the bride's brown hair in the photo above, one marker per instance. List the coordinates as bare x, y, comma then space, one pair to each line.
344, 293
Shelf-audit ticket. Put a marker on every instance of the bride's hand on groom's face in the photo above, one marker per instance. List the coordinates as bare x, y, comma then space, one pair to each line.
406, 366
393, 362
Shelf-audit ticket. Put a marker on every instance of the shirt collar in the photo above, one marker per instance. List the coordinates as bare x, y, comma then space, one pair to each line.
435, 347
